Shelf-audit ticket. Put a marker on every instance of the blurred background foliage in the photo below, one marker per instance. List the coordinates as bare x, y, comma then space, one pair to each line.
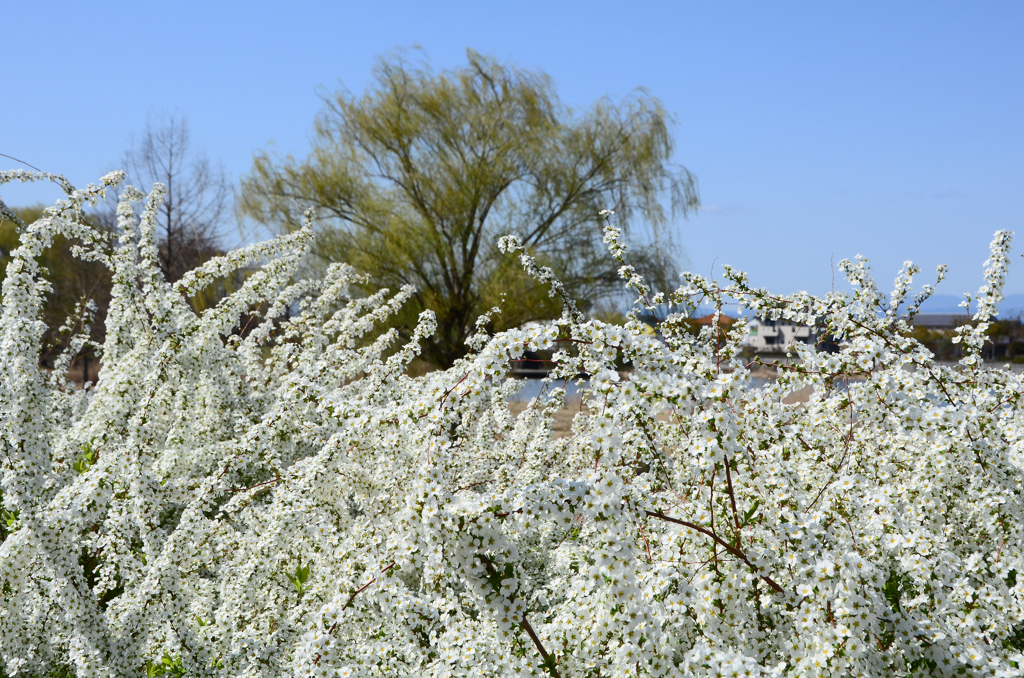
415, 180
412, 183
73, 284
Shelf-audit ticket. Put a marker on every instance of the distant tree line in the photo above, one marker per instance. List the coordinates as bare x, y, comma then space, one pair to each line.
1005, 340
189, 229
412, 183
74, 284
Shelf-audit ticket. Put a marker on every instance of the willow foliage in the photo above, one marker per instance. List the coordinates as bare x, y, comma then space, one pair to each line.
414, 181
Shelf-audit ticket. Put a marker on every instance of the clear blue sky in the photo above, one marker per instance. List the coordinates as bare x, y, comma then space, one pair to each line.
895, 130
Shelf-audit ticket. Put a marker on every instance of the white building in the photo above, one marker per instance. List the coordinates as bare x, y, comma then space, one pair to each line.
774, 336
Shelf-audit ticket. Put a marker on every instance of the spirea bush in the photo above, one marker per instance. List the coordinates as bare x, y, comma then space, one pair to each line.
286, 501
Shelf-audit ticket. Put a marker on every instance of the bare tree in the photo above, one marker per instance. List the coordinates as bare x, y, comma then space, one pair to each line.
197, 198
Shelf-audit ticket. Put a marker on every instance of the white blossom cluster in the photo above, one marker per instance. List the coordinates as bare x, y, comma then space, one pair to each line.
286, 501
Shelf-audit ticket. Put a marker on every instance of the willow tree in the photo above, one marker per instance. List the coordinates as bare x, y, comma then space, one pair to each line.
418, 177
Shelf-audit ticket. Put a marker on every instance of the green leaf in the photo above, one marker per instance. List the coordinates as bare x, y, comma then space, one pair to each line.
172, 665
299, 579
9, 517
751, 511
87, 458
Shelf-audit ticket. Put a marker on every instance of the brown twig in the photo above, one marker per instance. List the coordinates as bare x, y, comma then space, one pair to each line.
21, 161
449, 391
732, 499
525, 623
361, 589
251, 318
550, 665
724, 544
253, 487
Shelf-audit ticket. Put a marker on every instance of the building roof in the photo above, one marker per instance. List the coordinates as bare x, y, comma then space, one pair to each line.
709, 318
941, 320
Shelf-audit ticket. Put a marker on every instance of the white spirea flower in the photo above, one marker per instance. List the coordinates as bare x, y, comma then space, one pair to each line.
286, 501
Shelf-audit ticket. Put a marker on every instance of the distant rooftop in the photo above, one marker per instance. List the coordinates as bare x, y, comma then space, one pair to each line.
941, 320
708, 319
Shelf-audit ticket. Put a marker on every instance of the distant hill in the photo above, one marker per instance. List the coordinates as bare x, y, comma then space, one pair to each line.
1012, 305
944, 303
